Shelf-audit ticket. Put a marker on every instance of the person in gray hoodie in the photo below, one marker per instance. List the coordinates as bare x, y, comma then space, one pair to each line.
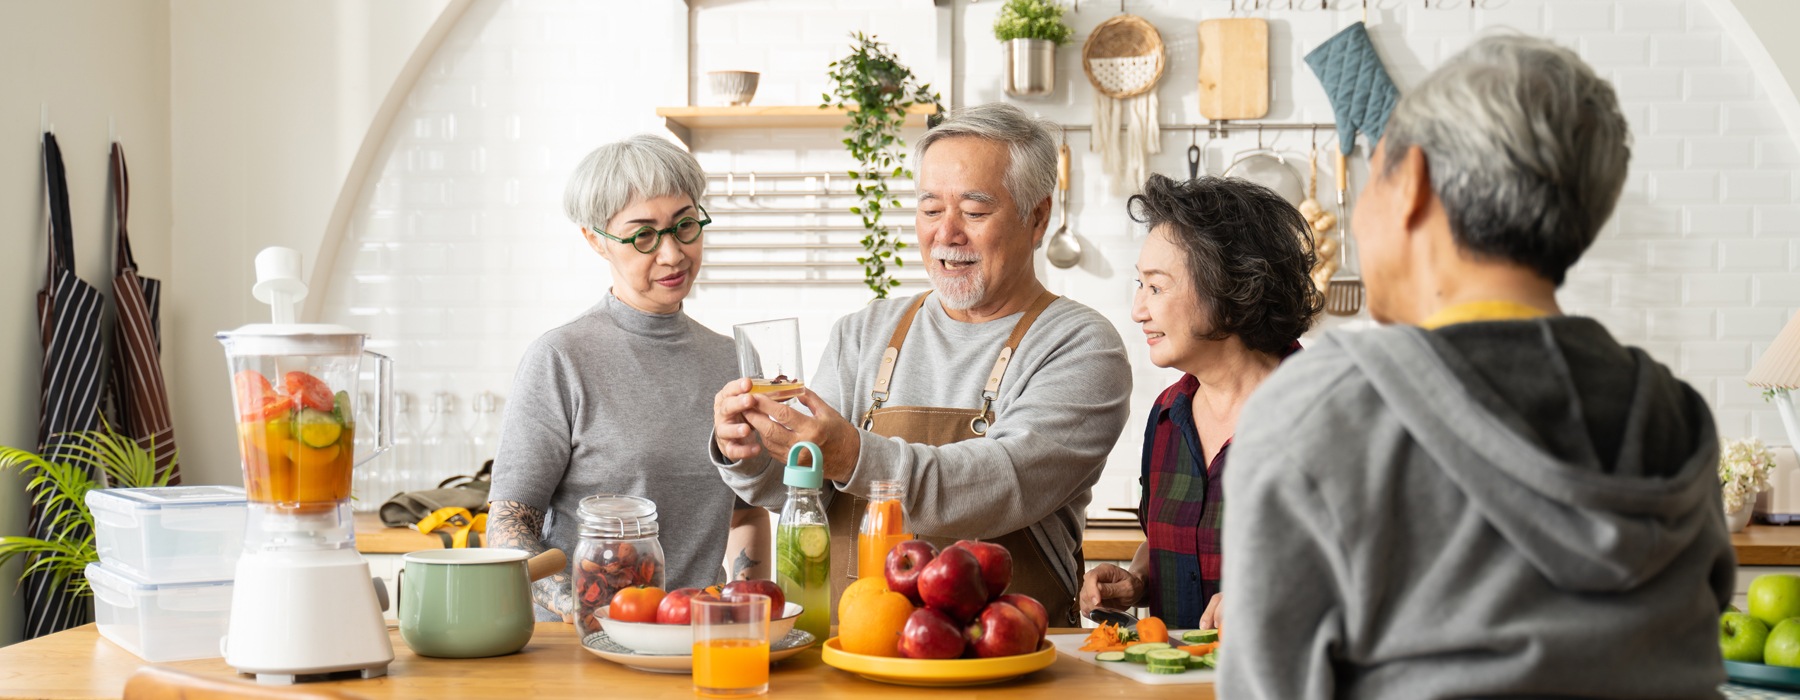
1484, 498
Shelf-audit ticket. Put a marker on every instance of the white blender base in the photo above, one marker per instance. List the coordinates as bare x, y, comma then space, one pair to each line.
306, 613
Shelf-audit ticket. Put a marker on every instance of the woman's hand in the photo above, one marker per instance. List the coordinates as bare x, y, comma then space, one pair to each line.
735, 437
1214, 617
1108, 586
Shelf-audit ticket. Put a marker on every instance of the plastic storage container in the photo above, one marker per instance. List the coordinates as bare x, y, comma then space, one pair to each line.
160, 621
172, 534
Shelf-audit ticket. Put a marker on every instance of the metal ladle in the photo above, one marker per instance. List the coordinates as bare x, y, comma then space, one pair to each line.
1063, 249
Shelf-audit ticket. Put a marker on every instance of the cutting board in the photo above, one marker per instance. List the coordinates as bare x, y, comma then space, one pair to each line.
1234, 68
1070, 645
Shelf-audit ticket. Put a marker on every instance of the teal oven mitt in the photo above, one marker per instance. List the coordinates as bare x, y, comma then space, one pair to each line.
1362, 95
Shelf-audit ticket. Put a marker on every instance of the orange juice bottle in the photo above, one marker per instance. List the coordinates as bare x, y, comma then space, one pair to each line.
729, 667
883, 526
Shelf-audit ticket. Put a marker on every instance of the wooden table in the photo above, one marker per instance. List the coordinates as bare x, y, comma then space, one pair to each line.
1767, 545
79, 663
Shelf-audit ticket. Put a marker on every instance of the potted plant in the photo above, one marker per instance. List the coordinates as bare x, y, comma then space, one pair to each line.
876, 89
1744, 467
1031, 31
62, 478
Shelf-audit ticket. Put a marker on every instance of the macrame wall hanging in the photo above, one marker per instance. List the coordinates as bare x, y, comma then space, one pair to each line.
1124, 59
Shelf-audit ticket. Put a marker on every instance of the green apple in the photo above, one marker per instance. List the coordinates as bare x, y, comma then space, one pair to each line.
1775, 597
1741, 637
1783, 647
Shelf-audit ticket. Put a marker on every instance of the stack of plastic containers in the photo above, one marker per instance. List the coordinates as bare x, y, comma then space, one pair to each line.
162, 587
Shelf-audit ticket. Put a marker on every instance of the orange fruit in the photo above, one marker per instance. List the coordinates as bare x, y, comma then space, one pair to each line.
871, 617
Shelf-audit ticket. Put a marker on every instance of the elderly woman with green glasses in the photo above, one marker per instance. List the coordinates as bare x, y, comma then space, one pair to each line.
619, 399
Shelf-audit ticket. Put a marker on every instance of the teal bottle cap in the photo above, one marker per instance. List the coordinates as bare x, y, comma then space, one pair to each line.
804, 477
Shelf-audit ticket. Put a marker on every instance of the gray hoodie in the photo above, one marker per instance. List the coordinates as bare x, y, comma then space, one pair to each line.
1495, 509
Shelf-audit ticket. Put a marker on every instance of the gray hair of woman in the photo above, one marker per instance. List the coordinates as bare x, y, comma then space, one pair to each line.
1526, 147
1030, 172
639, 167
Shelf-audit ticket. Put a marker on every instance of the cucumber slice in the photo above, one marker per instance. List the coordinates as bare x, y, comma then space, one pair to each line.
1166, 657
1197, 662
1200, 636
1210, 660
1110, 656
814, 542
318, 428
1135, 653
1167, 670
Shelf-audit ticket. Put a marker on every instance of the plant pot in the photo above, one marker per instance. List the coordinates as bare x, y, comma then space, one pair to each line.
1739, 519
1030, 67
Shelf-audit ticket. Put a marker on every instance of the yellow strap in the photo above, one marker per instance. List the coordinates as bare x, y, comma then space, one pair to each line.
459, 523
443, 516
1482, 311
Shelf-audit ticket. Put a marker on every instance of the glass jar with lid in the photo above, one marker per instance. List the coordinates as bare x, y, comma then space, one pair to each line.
619, 549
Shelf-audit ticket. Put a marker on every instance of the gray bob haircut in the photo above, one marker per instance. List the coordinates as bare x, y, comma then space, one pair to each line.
1031, 174
1526, 147
619, 173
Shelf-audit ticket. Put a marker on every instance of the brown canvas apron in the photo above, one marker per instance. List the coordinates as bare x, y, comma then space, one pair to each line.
929, 425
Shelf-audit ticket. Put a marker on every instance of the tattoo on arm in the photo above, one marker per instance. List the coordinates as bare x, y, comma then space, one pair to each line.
741, 566
514, 525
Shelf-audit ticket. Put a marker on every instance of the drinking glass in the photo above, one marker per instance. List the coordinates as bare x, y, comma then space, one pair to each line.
769, 354
731, 646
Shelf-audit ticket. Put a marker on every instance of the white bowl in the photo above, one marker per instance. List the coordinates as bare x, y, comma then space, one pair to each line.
734, 87
653, 638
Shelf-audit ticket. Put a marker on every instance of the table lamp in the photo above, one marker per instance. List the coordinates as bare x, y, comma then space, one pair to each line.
1778, 371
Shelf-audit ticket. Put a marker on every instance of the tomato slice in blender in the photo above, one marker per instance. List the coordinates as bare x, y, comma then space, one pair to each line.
253, 390
309, 390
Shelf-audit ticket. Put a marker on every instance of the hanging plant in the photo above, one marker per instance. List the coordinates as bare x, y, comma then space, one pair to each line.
1032, 19
876, 89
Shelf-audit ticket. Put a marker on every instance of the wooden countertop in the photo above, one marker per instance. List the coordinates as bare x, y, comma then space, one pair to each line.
1767, 545
1099, 544
79, 663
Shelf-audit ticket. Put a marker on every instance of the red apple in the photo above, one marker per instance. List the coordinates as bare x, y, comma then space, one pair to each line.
777, 601
904, 563
996, 565
1002, 630
930, 634
1028, 605
952, 584
675, 609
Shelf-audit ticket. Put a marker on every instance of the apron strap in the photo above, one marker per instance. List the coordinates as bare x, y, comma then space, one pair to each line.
56, 194
123, 259
991, 391
889, 357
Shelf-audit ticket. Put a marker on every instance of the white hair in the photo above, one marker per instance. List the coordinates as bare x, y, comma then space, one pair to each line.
637, 168
1526, 147
1031, 172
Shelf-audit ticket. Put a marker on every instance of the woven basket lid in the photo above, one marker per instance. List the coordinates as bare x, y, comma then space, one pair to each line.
1124, 57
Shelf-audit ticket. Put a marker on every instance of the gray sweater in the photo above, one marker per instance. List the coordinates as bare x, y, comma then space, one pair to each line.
1062, 404
618, 401
1498, 509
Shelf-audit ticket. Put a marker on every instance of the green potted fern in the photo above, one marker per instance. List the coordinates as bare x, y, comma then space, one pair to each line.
61, 484
1031, 30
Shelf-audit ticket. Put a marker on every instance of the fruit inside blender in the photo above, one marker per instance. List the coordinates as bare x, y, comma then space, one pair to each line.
296, 440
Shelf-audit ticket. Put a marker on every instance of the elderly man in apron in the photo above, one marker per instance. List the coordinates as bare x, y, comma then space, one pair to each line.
992, 400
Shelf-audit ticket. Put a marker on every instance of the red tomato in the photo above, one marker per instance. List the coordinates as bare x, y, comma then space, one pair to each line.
252, 389
635, 604
274, 406
309, 390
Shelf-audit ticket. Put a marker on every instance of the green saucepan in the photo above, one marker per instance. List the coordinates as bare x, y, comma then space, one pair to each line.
470, 603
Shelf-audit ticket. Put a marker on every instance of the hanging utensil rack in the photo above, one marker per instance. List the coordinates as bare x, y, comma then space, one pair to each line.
793, 228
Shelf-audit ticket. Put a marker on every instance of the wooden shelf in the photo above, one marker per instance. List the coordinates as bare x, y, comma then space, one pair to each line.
682, 120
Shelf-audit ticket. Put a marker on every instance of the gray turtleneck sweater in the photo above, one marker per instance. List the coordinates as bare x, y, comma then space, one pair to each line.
620, 401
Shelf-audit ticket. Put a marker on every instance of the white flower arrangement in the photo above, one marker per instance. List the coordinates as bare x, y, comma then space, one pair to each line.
1744, 467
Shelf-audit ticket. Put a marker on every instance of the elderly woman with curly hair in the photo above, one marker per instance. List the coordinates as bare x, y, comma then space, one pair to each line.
1223, 295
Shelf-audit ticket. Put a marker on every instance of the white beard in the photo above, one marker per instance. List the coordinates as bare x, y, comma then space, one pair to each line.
957, 293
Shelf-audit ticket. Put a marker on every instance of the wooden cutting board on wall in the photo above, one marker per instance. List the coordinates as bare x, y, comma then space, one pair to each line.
1234, 68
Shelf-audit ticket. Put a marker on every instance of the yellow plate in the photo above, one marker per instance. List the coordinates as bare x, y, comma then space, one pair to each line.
938, 672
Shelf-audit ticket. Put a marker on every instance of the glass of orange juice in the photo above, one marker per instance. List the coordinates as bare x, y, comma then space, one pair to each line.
883, 526
731, 646
769, 354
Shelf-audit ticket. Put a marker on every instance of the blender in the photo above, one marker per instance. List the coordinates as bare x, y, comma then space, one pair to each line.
304, 602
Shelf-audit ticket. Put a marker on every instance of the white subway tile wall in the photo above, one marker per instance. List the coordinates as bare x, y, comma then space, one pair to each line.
459, 255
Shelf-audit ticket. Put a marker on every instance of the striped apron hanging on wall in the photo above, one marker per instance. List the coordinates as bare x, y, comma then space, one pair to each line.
69, 312
139, 399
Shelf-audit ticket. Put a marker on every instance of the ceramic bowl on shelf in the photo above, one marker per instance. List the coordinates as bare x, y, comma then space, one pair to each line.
733, 87
653, 638
938, 672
